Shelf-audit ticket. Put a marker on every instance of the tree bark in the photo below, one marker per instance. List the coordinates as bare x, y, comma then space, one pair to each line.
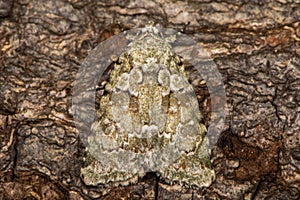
254, 44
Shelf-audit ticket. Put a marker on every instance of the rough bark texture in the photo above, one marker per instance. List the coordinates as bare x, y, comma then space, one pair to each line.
254, 44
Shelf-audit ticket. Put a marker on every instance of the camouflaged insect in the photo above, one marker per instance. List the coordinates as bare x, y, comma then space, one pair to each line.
148, 120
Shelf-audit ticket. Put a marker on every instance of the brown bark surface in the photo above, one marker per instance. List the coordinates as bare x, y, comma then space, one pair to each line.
255, 45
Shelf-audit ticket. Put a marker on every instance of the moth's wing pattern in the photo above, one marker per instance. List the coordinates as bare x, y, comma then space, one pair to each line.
149, 120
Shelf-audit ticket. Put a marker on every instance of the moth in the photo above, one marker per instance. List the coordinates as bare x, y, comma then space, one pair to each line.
148, 121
